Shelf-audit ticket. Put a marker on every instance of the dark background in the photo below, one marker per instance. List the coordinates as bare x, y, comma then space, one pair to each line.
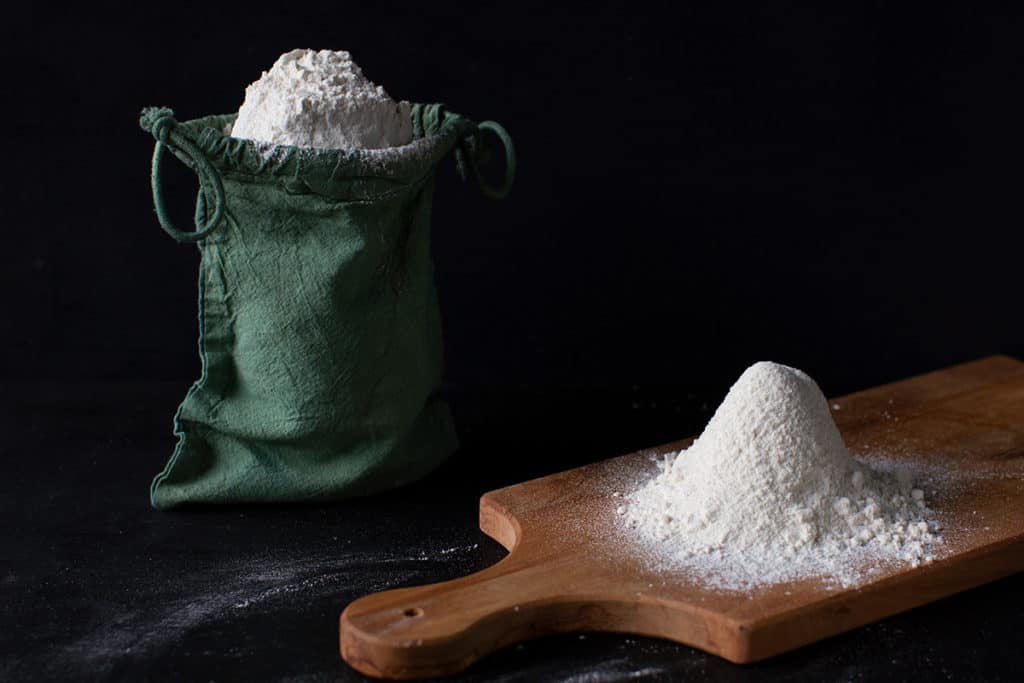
700, 187
836, 189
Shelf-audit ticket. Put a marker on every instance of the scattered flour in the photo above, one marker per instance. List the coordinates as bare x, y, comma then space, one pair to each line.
322, 100
769, 493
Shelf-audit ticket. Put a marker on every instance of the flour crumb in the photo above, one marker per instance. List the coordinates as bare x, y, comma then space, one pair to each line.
321, 99
769, 493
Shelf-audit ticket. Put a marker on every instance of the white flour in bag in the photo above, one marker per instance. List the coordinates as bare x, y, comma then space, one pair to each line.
321, 99
769, 493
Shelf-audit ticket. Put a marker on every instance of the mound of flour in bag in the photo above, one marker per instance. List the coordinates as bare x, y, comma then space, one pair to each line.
321, 99
769, 493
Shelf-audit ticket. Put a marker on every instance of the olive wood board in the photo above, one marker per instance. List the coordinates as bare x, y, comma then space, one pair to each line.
570, 568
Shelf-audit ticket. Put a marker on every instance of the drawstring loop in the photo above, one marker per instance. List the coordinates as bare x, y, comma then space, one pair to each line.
160, 122
471, 153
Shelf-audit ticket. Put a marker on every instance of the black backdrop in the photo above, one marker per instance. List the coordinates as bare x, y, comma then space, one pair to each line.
699, 187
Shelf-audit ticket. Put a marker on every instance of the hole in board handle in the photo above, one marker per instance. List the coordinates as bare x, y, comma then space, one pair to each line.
413, 612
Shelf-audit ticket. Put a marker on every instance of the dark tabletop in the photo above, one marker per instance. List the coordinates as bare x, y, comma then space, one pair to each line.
834, 186
96, 585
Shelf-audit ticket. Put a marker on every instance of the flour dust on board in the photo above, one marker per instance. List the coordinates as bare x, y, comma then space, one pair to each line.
769, 493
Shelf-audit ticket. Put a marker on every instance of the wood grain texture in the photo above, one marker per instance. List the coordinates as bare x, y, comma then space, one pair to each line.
571, 568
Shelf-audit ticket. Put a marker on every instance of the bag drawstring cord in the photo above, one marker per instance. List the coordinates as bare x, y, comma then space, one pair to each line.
470, 153
160, 122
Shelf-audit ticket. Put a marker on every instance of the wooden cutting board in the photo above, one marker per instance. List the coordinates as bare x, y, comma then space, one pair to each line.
570, 568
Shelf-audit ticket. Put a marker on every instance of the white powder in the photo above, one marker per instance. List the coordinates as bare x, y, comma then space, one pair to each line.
321, 99
769, 493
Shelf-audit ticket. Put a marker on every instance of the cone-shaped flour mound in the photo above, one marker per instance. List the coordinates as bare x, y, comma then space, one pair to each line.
321, 99
769, 492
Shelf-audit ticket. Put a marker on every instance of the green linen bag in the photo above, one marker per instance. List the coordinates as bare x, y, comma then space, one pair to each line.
319, 328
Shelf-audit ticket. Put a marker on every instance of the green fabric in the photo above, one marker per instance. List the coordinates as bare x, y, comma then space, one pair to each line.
319, 329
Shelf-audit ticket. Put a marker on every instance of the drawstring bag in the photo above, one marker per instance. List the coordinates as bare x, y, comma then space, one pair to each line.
319, 329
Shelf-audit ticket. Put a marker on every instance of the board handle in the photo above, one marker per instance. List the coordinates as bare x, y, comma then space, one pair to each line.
436, 629
440, 629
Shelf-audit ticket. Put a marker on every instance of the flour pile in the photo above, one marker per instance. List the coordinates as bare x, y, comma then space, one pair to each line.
769, 493
321, 99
